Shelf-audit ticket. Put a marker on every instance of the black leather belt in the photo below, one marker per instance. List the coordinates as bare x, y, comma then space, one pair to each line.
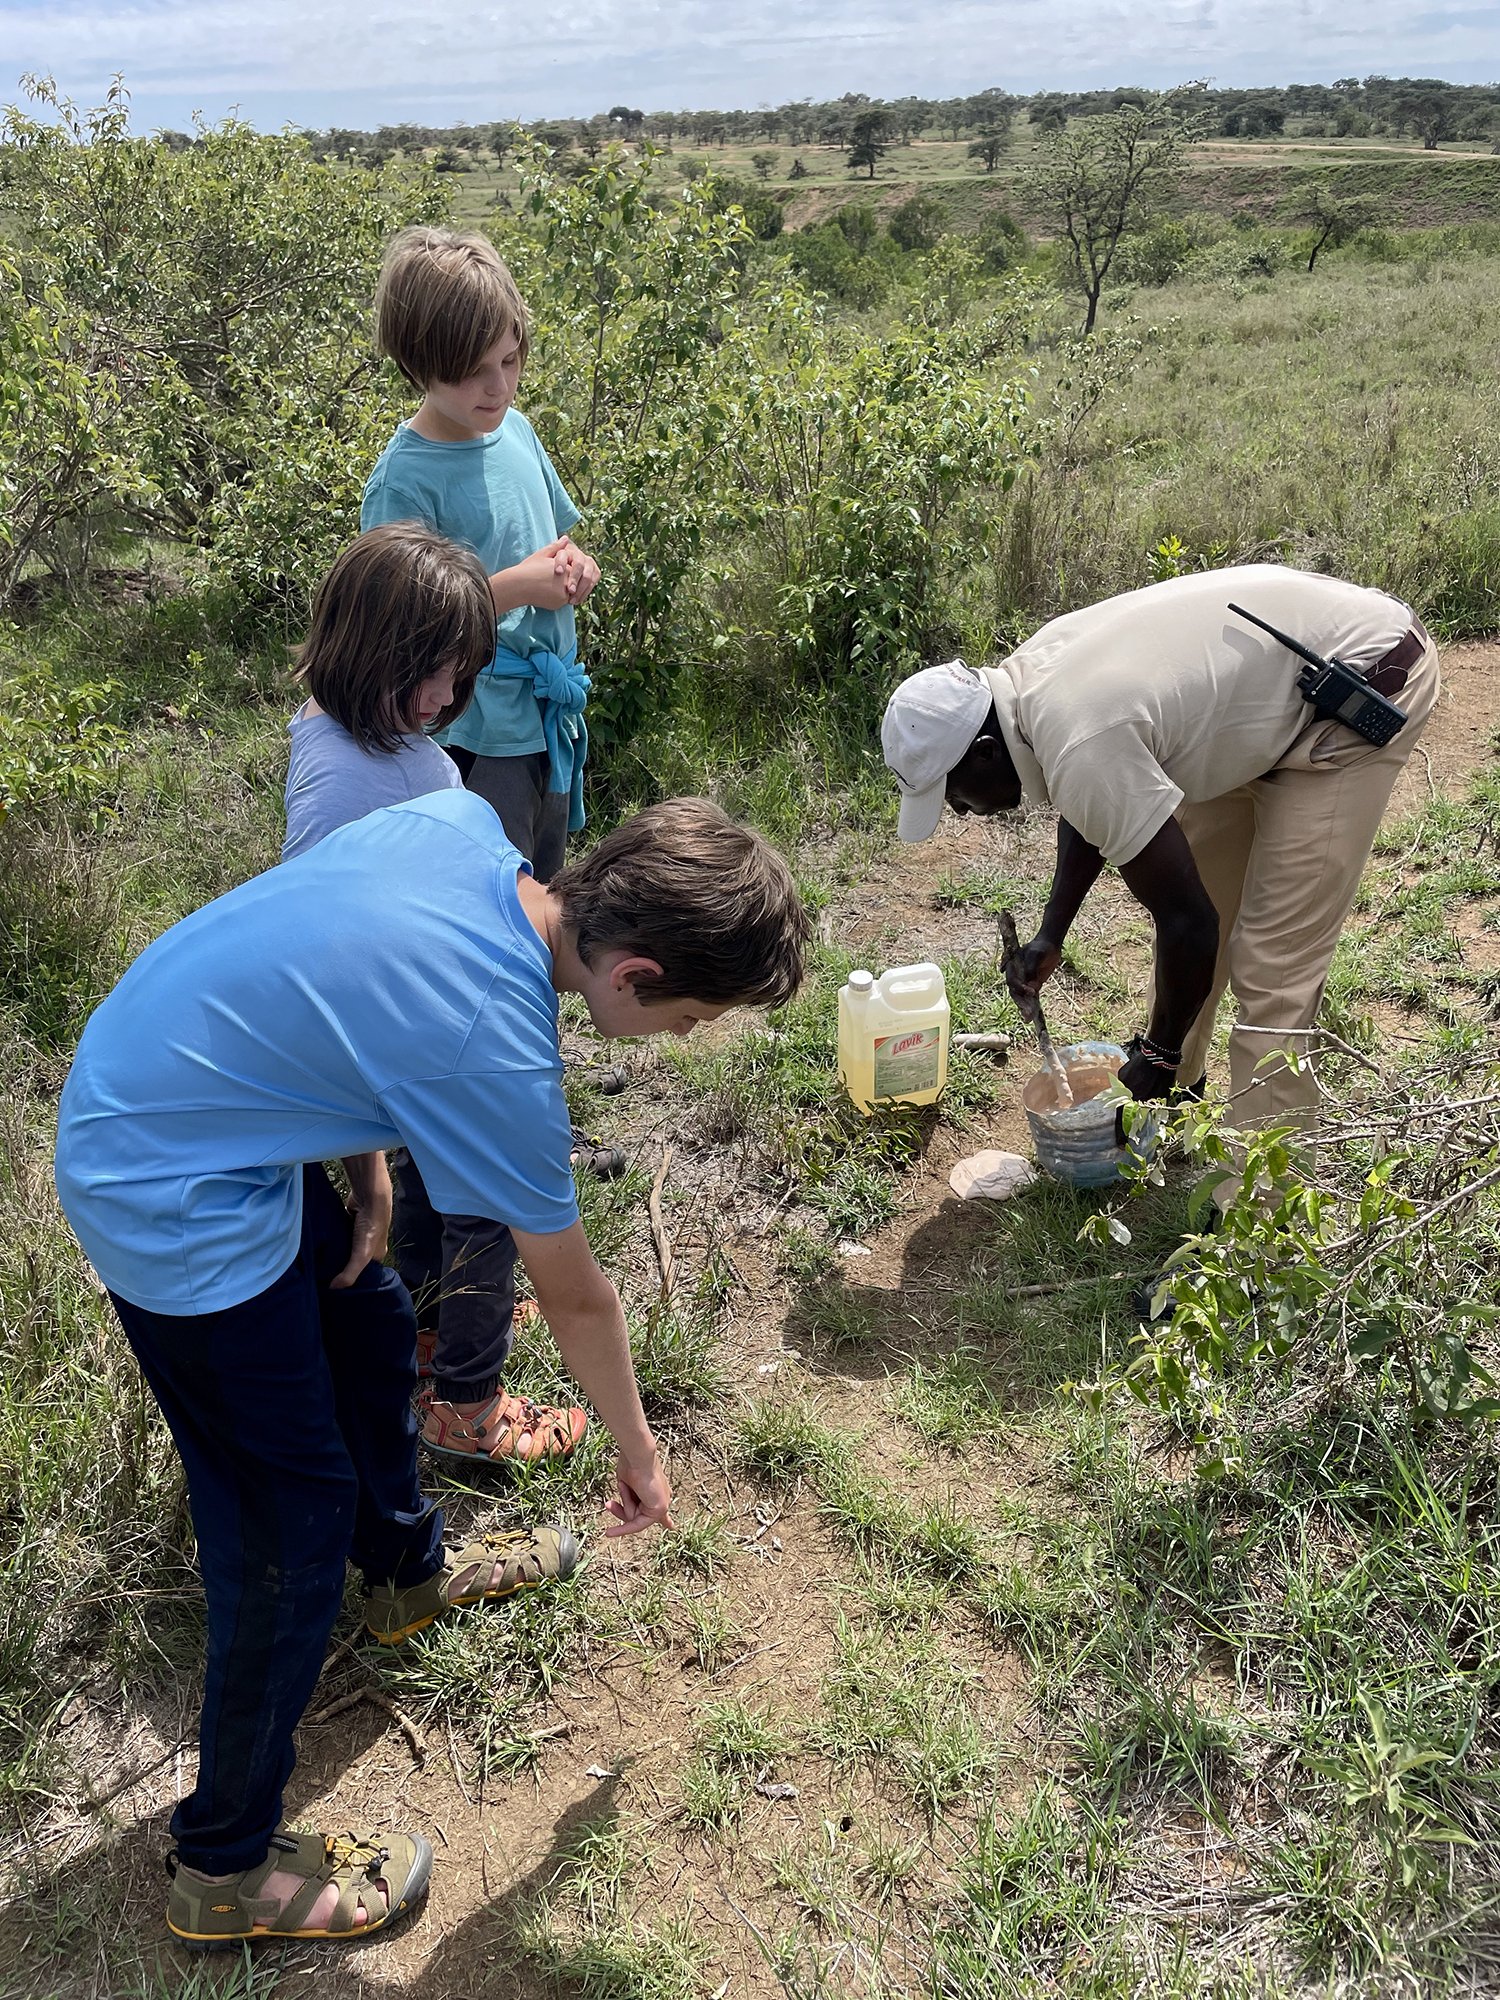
1389, 673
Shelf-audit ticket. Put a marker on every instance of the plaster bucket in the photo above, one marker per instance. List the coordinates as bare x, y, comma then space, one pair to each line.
1082, 1145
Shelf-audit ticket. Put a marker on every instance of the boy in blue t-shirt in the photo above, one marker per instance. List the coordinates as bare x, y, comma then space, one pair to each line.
448, 313
332, 1008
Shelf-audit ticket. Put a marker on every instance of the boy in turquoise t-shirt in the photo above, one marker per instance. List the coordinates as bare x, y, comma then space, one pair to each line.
469, 464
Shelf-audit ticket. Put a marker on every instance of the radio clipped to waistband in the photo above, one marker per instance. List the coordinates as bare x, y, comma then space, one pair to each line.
1337, 690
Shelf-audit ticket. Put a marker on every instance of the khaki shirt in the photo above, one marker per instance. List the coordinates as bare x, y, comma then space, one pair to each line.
1118, 713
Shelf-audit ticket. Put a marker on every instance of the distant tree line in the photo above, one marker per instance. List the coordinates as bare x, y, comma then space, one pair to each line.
866, 128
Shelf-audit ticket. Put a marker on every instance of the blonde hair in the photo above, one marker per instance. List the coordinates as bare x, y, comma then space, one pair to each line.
443, 300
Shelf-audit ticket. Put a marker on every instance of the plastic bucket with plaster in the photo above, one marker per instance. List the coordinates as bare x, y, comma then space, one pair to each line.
1081, 1145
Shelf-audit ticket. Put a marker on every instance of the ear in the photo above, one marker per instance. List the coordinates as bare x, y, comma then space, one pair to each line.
630, 972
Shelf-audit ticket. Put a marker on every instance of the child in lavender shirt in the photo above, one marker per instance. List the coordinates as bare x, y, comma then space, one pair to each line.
401, 627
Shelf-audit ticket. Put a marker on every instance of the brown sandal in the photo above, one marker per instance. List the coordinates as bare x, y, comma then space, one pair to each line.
507, 1427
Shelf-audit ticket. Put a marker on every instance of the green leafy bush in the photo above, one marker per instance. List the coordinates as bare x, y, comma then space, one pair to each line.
861, 459
57, 744
199, 320
639, 351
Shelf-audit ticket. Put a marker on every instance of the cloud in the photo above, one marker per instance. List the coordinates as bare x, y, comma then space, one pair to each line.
402, 57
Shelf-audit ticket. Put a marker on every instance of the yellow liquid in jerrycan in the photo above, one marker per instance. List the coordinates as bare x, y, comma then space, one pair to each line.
893, 1036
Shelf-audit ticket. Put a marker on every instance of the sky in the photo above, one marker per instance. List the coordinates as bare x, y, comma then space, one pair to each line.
363, 63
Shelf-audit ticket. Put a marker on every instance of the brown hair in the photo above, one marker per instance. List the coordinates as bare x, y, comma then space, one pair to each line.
442, 302
710, 901
399, 604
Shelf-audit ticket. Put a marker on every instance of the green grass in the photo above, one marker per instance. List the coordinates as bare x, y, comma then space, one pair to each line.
1064, 1713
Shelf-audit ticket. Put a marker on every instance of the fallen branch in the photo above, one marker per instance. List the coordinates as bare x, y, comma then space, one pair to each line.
402, 1720
661, 1242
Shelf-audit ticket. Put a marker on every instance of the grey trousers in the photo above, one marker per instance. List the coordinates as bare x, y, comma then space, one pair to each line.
460, 1270
535, 820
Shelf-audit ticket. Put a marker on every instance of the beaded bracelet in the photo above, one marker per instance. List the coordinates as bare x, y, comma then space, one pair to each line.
1156, 1053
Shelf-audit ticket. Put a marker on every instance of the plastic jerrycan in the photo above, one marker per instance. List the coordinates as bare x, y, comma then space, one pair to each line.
893, 1036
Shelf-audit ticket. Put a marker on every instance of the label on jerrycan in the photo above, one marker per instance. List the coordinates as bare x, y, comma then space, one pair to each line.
908, 1062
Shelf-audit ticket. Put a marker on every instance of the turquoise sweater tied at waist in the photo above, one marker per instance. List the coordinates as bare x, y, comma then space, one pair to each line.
561, 687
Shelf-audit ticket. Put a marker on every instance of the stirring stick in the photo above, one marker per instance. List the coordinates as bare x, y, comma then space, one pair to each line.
1031, 1010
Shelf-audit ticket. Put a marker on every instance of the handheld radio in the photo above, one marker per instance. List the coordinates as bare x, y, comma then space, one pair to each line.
1337, 690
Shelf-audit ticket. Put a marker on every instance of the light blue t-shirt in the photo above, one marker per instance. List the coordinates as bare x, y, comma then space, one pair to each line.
333, 1005
499, 496
332, 779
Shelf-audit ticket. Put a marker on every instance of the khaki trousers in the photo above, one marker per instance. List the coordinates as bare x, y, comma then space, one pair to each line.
1281, 860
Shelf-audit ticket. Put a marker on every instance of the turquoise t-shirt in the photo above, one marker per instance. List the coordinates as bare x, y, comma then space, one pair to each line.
333, 1005
499, 496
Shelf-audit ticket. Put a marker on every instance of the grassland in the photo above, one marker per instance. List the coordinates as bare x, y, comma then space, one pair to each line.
1409, 187
952, 1682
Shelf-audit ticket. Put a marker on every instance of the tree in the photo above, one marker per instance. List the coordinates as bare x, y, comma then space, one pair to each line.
764, 164
798, 172
1102, 176
184, 342
869, 141
1049, 116
1430, 109
856, 221
1334, 221
988, 147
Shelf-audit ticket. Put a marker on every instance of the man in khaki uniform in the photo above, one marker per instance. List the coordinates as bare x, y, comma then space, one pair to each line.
1173, 740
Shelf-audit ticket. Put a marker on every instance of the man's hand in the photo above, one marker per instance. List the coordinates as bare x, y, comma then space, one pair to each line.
582, 574
645, 1498
1029, 972
369, 1207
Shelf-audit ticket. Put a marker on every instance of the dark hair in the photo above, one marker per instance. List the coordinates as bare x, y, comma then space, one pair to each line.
399, 604
712, 902
442, 302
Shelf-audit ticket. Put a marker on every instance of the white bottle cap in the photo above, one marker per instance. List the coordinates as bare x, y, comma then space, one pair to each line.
861, 982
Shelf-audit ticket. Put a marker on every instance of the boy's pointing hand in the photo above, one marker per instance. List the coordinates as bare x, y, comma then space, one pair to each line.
644, 1501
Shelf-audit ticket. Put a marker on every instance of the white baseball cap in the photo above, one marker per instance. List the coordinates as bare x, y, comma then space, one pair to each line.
930, 721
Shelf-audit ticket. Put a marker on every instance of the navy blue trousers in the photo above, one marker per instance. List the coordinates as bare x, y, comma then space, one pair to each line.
293, 1416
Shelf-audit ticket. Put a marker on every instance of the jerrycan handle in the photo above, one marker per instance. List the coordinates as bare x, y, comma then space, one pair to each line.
917, 976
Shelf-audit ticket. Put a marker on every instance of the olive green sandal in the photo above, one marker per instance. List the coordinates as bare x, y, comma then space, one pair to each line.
545, 1555
214, 1916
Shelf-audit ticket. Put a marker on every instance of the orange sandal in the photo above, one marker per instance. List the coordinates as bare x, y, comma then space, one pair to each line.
506, 1427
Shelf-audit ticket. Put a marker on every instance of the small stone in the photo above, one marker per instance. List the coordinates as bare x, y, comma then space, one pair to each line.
991, 1176
855, 1250
768, 1791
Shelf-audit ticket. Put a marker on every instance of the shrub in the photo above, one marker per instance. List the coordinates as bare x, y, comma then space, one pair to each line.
225, 292
918, 223
861, 459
